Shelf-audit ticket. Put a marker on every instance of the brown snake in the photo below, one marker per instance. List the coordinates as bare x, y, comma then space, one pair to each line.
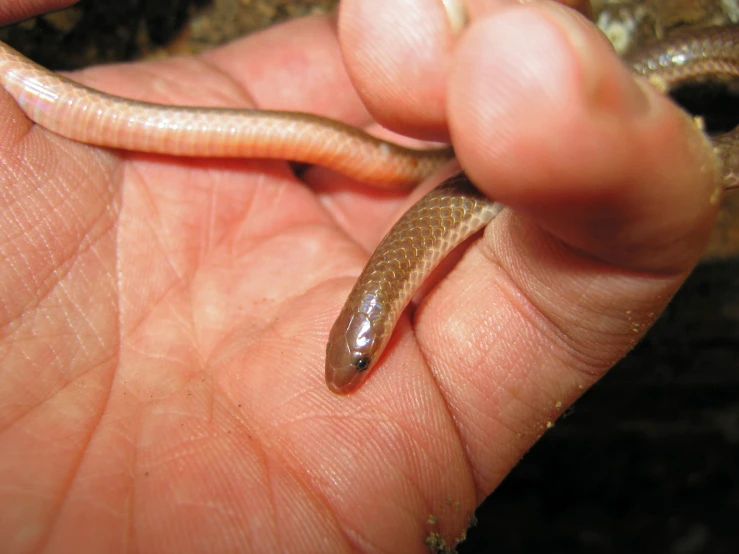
417, 242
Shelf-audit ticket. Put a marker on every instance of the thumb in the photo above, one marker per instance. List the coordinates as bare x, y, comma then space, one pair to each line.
547, 120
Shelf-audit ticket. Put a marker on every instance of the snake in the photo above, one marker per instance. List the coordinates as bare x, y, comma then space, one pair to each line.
418, 241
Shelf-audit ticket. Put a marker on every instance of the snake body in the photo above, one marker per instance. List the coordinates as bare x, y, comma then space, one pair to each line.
438, 222
93, 117
420, 239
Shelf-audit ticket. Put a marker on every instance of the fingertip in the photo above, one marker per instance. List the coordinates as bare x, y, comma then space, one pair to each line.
520, 77
546, 119
397, 54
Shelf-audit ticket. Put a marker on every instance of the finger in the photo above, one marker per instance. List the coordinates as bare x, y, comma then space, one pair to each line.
547, 120
399, 54
11, 11
613, 194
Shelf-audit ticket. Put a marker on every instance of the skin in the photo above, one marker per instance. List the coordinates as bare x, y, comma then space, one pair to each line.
164, 320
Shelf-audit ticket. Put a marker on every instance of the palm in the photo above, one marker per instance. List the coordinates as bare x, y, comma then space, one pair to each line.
165, 327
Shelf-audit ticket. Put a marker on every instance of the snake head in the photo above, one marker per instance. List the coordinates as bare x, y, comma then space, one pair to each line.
350, 352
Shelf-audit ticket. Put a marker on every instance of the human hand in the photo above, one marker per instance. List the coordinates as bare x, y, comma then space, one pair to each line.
165, 319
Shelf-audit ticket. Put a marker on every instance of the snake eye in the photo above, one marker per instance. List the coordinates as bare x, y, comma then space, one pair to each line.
362, 363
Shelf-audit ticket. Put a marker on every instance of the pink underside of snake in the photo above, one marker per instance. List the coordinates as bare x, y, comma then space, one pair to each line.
86, 115
419, 240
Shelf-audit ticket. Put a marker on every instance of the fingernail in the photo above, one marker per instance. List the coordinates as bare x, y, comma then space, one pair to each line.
456, 15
